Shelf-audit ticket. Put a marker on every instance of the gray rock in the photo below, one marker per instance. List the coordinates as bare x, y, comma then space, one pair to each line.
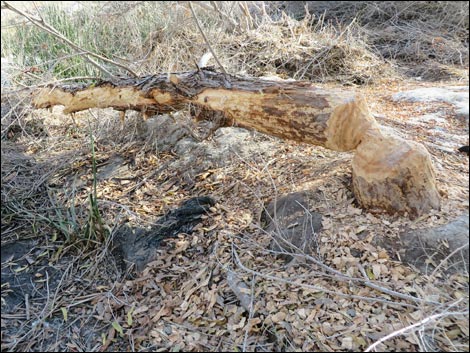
455, 95
165, 132
186, 145
116, 167
239, 143
229, 145
293, 226
427, 248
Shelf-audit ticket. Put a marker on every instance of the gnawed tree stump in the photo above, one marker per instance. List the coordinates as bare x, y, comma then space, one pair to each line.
393, 174
389, 173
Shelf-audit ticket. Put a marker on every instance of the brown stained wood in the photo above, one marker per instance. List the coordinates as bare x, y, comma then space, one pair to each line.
388, 172
290, 110
394, 174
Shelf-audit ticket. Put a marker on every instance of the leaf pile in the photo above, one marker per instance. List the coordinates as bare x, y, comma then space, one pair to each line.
220, 288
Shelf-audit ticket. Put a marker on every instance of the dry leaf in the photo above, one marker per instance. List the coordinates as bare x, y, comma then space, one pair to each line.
278, 317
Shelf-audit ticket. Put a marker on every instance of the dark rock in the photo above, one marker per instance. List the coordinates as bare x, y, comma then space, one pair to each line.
138, 246
291, 223
351, 312
464, 149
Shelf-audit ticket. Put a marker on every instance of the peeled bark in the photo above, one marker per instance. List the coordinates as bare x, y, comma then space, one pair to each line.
388, 172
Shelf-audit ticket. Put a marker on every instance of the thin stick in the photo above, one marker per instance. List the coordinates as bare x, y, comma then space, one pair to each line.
314, 288
251, 314
408, 328
369, 284
205, 38
443, 262
26, 301
150, 175
217, 10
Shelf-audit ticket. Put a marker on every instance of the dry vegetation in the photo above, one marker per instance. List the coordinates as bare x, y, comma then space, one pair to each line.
220, 288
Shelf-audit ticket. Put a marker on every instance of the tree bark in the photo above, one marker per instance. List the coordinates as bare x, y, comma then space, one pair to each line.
389, 173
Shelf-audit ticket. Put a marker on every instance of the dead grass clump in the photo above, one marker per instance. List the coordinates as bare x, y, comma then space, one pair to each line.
161, 37
411, 32
343, 41
287, 47
297, 49
14, 111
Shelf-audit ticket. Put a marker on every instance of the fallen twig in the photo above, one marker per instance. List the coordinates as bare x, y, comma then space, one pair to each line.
314, 288
410, 327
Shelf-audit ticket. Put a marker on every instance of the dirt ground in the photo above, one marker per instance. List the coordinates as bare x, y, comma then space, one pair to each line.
220, 287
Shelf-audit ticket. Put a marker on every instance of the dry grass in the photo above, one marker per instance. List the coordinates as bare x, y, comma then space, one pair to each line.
352, 43
47, 178
410, 33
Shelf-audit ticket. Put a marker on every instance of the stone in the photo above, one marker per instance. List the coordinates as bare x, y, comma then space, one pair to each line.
293, 226
427, 248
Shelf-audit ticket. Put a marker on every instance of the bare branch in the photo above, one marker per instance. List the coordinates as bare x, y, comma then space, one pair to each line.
205, 37
369, 284
219, 11
444, 261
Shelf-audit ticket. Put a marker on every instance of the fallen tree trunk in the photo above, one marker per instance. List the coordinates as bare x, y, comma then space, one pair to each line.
389, 173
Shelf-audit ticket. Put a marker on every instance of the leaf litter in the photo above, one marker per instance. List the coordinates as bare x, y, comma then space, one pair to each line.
221, 288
